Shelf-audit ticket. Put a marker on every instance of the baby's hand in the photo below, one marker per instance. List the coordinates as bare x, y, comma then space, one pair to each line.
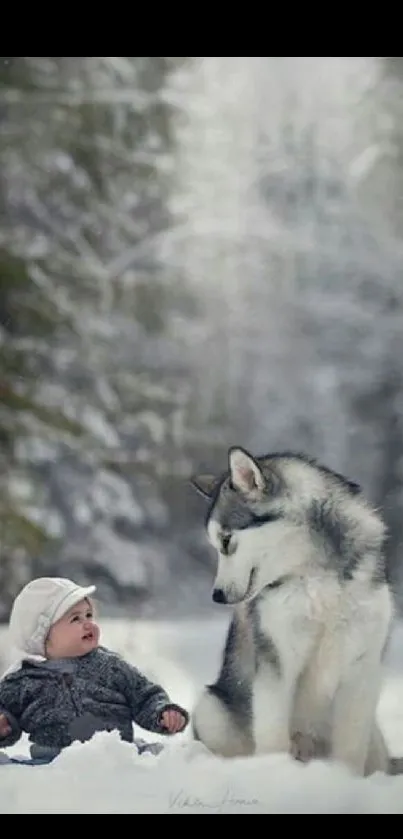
173, 721
5, 727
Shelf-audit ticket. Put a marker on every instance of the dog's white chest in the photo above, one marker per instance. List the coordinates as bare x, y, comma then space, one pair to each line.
292, 618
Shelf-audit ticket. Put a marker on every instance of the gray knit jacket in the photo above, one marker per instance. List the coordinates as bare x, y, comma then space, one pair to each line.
57, 702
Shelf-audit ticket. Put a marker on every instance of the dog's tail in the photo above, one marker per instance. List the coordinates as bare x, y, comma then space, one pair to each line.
395, 766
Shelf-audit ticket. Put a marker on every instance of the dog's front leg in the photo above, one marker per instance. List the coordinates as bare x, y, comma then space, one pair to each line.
314, 694
355, 713
271, 710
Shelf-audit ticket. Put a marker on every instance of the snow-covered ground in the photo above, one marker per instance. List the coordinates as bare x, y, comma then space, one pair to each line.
107, 776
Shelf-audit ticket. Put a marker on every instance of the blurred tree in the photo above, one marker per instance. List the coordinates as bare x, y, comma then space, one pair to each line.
85, 309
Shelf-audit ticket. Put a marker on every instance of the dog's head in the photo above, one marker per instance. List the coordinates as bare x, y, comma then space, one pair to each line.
259, 516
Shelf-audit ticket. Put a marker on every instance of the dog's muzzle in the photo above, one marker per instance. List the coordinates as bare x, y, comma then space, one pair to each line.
219, 595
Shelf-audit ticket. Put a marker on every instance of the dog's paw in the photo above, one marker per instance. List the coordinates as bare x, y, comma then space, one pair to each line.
307, 747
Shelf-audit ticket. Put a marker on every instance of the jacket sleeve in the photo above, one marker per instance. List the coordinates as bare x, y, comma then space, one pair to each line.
147, 700
10, 707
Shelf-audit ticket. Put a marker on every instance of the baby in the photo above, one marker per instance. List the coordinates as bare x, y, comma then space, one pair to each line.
67, 686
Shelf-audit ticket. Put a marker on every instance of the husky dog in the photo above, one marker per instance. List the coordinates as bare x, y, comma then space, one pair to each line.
301, 561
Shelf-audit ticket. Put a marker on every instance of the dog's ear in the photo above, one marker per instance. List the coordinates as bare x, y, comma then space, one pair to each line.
246, 474
204, 484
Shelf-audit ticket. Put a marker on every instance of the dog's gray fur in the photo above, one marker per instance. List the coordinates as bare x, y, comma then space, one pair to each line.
301, 560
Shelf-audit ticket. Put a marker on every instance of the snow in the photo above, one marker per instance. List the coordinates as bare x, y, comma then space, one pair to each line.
107, 776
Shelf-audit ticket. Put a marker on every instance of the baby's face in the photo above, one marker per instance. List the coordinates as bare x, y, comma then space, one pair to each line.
74, 634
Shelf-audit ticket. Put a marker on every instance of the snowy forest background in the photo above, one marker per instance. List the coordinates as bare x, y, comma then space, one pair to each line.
194, 252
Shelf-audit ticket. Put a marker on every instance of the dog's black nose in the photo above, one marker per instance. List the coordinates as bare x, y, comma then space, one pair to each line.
219, 596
